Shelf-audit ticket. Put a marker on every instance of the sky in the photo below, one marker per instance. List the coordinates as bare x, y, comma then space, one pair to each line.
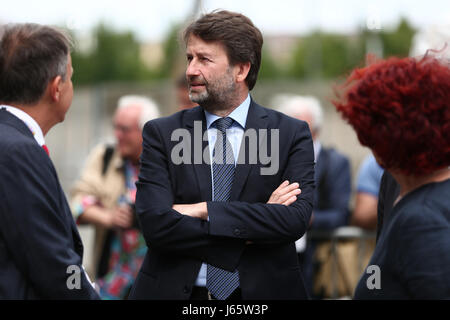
151, 19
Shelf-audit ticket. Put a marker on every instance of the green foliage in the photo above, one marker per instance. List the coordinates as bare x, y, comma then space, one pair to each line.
268, 68
115, 57
173, 53
325, 55
398, 42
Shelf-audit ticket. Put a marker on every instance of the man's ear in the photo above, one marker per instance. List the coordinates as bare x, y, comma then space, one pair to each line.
242, 71
55, 88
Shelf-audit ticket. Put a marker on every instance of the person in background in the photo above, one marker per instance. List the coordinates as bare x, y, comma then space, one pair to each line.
367, 187
399, 109
104, 196
41, 252
332, 176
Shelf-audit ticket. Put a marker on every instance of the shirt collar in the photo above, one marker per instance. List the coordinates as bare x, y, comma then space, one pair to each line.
317, 148
239, 115
29, 121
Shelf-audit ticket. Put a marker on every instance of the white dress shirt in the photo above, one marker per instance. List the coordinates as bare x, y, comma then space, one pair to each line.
234, 136
29, 121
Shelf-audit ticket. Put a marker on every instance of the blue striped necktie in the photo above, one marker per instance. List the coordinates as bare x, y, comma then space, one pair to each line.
222, 283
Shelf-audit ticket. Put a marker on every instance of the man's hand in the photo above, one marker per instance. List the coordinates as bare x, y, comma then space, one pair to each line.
197, 210
121, 217
118, 217
285, 194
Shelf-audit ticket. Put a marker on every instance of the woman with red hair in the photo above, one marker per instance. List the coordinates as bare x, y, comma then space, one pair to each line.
400, 108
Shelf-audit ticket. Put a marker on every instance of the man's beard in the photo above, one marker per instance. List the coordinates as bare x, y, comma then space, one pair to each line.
217, 95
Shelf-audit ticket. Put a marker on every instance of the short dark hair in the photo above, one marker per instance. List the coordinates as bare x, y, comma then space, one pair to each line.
31, 55
241, 39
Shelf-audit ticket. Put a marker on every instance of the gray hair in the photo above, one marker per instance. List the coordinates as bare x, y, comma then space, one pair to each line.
296, 105
149, 108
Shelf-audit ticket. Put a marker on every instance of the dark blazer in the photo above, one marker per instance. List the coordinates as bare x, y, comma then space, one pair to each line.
333, 188
178, 244
38, 237
332, 194
412, 255
389, 191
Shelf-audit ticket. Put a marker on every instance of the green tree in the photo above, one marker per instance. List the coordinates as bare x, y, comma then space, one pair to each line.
325, 55
297, 68
115, 56
398, 42
335, 54
268, 68
174, 54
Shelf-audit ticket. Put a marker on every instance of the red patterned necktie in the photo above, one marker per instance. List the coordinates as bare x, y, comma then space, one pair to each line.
46, 149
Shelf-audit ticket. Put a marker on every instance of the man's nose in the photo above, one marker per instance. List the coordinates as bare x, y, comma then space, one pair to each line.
192, 69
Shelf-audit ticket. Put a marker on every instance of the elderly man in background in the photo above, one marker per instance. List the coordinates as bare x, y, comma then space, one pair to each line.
104, 196
332, 176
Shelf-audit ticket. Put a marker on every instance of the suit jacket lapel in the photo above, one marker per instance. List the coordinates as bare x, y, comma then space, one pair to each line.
256, 120
192, 121
7, 118
319, 166
10, 119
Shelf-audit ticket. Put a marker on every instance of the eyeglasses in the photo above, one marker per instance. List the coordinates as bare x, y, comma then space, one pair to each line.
124, 129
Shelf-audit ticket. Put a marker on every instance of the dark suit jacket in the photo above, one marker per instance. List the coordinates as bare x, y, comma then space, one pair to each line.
38, 237
389, 191
413, 250
333, 188
178, 244
332, 194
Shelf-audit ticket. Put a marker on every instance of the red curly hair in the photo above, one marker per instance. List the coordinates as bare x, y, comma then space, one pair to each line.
400, 108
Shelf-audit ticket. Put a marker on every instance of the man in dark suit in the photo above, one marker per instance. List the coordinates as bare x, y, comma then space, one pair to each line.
40, 248
332, 171
332, 176
214, 225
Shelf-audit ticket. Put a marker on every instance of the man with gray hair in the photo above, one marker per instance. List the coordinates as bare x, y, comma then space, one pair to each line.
332, 176
40, 248
104, 196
